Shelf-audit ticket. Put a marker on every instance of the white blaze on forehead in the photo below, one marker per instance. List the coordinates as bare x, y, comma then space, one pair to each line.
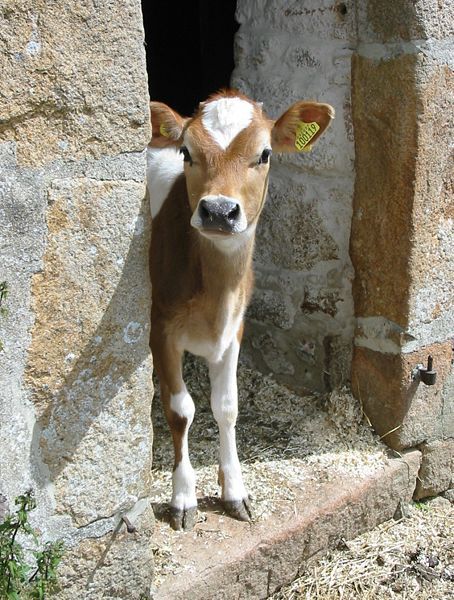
223, 119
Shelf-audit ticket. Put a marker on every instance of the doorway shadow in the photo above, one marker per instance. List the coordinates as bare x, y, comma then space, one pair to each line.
189, 51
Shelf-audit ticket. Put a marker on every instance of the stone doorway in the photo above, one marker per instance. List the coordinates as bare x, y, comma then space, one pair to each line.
189, 50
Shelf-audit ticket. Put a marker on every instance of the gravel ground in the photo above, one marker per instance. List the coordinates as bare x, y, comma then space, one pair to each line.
409, 558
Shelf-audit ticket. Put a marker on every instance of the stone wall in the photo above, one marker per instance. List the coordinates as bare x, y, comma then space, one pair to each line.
300, 324
402, 229
75, 373
377, 188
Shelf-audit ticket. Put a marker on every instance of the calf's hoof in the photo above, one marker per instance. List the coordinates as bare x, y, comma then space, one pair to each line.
183, 518
238, 509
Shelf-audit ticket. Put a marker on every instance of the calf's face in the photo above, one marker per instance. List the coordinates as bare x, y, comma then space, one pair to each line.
227, 151
226, 148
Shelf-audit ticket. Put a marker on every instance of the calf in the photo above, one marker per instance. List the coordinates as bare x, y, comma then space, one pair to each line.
207, 180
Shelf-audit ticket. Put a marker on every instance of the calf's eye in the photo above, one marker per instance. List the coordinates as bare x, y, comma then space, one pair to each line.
265, 157
186, 156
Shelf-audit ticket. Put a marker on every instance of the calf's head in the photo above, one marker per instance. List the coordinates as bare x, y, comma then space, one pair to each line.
226, 147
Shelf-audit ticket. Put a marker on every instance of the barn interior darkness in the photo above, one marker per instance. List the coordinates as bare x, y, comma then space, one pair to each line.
189, 48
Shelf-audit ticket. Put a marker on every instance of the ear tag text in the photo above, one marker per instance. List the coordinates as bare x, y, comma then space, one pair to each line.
304, 133
163, 130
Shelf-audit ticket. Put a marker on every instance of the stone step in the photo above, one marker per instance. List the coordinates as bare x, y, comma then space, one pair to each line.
225, 559
316, 474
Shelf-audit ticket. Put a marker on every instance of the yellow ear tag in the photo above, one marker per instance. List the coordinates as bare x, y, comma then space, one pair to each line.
163, 131
304, 133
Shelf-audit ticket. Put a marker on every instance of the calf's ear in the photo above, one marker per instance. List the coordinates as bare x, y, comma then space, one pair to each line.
167, 125
300, 126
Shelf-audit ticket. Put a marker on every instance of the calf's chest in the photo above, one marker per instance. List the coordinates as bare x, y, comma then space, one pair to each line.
208, 333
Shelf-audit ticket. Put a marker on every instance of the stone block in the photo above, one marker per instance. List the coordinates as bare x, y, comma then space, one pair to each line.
401, 235
272, 307
116, 565
402, 219
88, 368
391, 20
385, 109
432, 260
326, 19
436, 474
403, 410
75, 373
72, 86
258, 54
291, 234
270, 349
309, 356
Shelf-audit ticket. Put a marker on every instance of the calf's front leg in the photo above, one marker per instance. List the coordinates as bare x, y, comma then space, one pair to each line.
179, 410
224, 404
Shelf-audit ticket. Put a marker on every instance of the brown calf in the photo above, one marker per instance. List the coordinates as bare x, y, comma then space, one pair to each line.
207, 179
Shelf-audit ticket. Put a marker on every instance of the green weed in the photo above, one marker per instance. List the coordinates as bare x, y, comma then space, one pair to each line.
20, 580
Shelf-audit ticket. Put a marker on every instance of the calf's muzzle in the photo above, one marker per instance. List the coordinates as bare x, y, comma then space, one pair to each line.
220, 214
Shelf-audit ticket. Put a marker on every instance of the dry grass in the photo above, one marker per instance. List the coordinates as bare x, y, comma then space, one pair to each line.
410, 558
283, 439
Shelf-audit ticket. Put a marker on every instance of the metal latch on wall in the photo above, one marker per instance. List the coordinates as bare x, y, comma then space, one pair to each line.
427, 375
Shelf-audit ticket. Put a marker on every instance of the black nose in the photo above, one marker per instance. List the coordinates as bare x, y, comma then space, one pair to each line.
219, 215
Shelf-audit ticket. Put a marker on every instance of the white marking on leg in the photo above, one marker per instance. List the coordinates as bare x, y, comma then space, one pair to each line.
163, 167
183, 405
224, 404
183, 478
223, 119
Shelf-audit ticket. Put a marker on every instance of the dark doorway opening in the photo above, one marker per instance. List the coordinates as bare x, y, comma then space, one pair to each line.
189, 49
